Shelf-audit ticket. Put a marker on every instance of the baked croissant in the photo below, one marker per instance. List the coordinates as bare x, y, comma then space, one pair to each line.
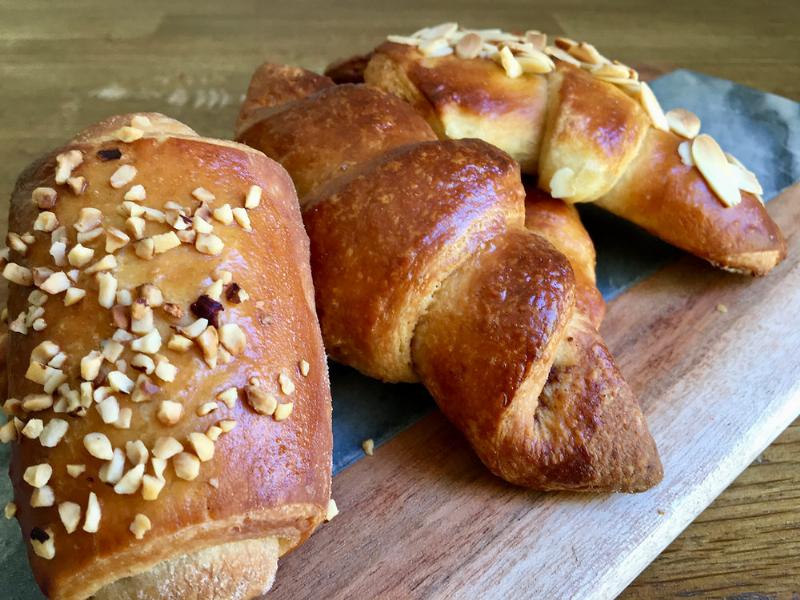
588, 129
169, 406
424, 271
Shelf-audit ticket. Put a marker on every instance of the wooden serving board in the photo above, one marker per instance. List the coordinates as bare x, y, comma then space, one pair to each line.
715, 360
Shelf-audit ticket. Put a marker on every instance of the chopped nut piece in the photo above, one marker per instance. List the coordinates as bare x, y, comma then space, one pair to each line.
562, 184
135, 226
128, 134
224, 214
253, 197
112, 471
43, 543
90, 365
207, 308
159, 466
92, 522
18, 274
44, 197
88, 220
169, 412
37, 402
368, 446
260, 400
202, 445
287, 386
130, 482
151, 487
58, 250
43, 497
200, 225
187, 237
141, 122
140, 526
65, 163
167, 447
98, 445
39, 324
120, 382
141, 317
282, 411
208, 243
8, 432
214, 482
75, 470
164, 242
107, 263
187, 466
70, 514
53, 432
206, 408
652, 107
10, 510
179, 343
38, 475
332, 511
213, 433
107, 289
229, 397
122, 176
78, 185
227, 425
144, 389
151, 294
56, 283
90, 236
33, 428
145, 248
149, 344
116, 239
108, 410
195, 329
80, 255
304, 368
144, 362
233, 338
45, 221
16, 244
242, 218
203, 195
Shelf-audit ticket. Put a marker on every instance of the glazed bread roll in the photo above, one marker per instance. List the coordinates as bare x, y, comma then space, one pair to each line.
425, 270
168, 398
588, 128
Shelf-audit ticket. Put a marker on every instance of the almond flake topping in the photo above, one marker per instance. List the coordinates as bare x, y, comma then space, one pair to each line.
683, 122
716, 170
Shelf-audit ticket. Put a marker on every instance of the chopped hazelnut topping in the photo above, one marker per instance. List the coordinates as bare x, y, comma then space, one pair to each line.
111, 351
10, 510
223, 214
187, 466
80, 255
56, 283
112, 471
368, 446
107, 289
33, 428
145, 248
128, 208
144, 389
202, 445
37, 402
332, 511
29, 238
53, 432
98, 445
58, 250
70, 514
206, 408
141, 317
120, 335
40, 275
38, 475
213, 433
235, 294
200, 225
151, 294
109, 154
167, 447
159, 466
18, 325
141, 122
8, 433
116, 239
164, 242
137, 452
149, 344
92, 522
227, 425
203, 195
39, 324
135, 226
44, 197
253, 197
75, 471
229, 397
119, 315
214, 482
242, 218
120, 382
169, 412
78, 185
43, 497
260, 400
195, 329
165, 370
88, 220
173, 310
108, 409
282, 411
232, 337
45, 351
107, 263
151, 487
65, 163
18, 274
144, 362
122, 176
128, 134
16, 244
208, 243
43, 543
140, 526
179, 343
45, 221
124, 419
89, 236
304, 368
287, 386
73, 296
90, 365
130, 482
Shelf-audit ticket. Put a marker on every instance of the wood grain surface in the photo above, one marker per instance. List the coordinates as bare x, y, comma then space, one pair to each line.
64, 65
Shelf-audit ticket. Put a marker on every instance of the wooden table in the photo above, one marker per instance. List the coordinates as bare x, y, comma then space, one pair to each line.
65, 66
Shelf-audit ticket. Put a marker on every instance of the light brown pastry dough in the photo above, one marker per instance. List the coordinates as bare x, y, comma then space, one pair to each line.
253, 480
424, 270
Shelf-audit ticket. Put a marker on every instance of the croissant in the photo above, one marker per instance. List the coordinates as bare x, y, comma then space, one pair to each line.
169, 406
588, 128
424, 270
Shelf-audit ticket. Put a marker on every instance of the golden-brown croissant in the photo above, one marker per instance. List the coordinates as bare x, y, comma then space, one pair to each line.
588, 128
169, 406
424, 270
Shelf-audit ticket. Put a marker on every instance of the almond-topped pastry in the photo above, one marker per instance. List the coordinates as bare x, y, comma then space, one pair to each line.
588, 128
139, 323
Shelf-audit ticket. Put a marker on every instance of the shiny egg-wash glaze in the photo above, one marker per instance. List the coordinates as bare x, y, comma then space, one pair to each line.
425, 271
268, 484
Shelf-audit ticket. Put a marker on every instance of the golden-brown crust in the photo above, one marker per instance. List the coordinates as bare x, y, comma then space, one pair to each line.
267, 478
597, 132
348, 70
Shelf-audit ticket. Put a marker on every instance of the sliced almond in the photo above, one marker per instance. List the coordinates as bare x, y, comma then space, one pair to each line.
683, 122
509, 63
652, 107
716, 169
562, 183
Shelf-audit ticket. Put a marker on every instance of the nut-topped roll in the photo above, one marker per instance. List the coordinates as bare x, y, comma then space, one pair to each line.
168, 398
